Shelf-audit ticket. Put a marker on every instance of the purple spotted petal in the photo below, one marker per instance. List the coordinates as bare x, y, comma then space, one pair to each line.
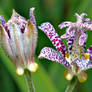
83, 15
84, 45
52, 55
87, 26
65, 36
4, 41
32, 17
65, 24
17, 19
69, 33
2, 20
89, 65
82, 39
86, 19
89, 50
80, 17
53, 36
82, 63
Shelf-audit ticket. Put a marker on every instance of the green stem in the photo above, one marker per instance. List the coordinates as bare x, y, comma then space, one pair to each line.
29, 81
72, 85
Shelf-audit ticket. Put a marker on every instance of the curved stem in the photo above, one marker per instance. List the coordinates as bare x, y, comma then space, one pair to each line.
72, 85
29, 81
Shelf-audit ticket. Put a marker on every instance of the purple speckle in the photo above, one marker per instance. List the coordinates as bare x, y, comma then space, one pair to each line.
8, 32
22, 29
2, 20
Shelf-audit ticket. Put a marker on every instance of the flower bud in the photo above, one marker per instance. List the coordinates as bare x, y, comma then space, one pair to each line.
18, 38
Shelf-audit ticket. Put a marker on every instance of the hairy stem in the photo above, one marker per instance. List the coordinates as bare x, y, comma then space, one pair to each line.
29, 81
72, 85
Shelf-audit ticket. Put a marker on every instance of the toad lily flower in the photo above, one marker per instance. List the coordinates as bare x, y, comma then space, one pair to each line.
18, 38
75, 59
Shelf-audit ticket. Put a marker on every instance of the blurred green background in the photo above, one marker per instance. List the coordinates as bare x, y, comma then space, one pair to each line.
50, 75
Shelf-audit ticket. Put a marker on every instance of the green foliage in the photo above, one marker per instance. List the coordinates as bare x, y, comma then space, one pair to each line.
50, 75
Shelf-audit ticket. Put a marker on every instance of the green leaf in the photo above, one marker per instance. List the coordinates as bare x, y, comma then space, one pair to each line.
56, 72
6, 82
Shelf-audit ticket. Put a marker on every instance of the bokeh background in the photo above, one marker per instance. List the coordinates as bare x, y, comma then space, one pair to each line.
50, 75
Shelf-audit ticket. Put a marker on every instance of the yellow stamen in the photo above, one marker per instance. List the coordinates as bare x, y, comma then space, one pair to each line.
67, 55
86, 56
